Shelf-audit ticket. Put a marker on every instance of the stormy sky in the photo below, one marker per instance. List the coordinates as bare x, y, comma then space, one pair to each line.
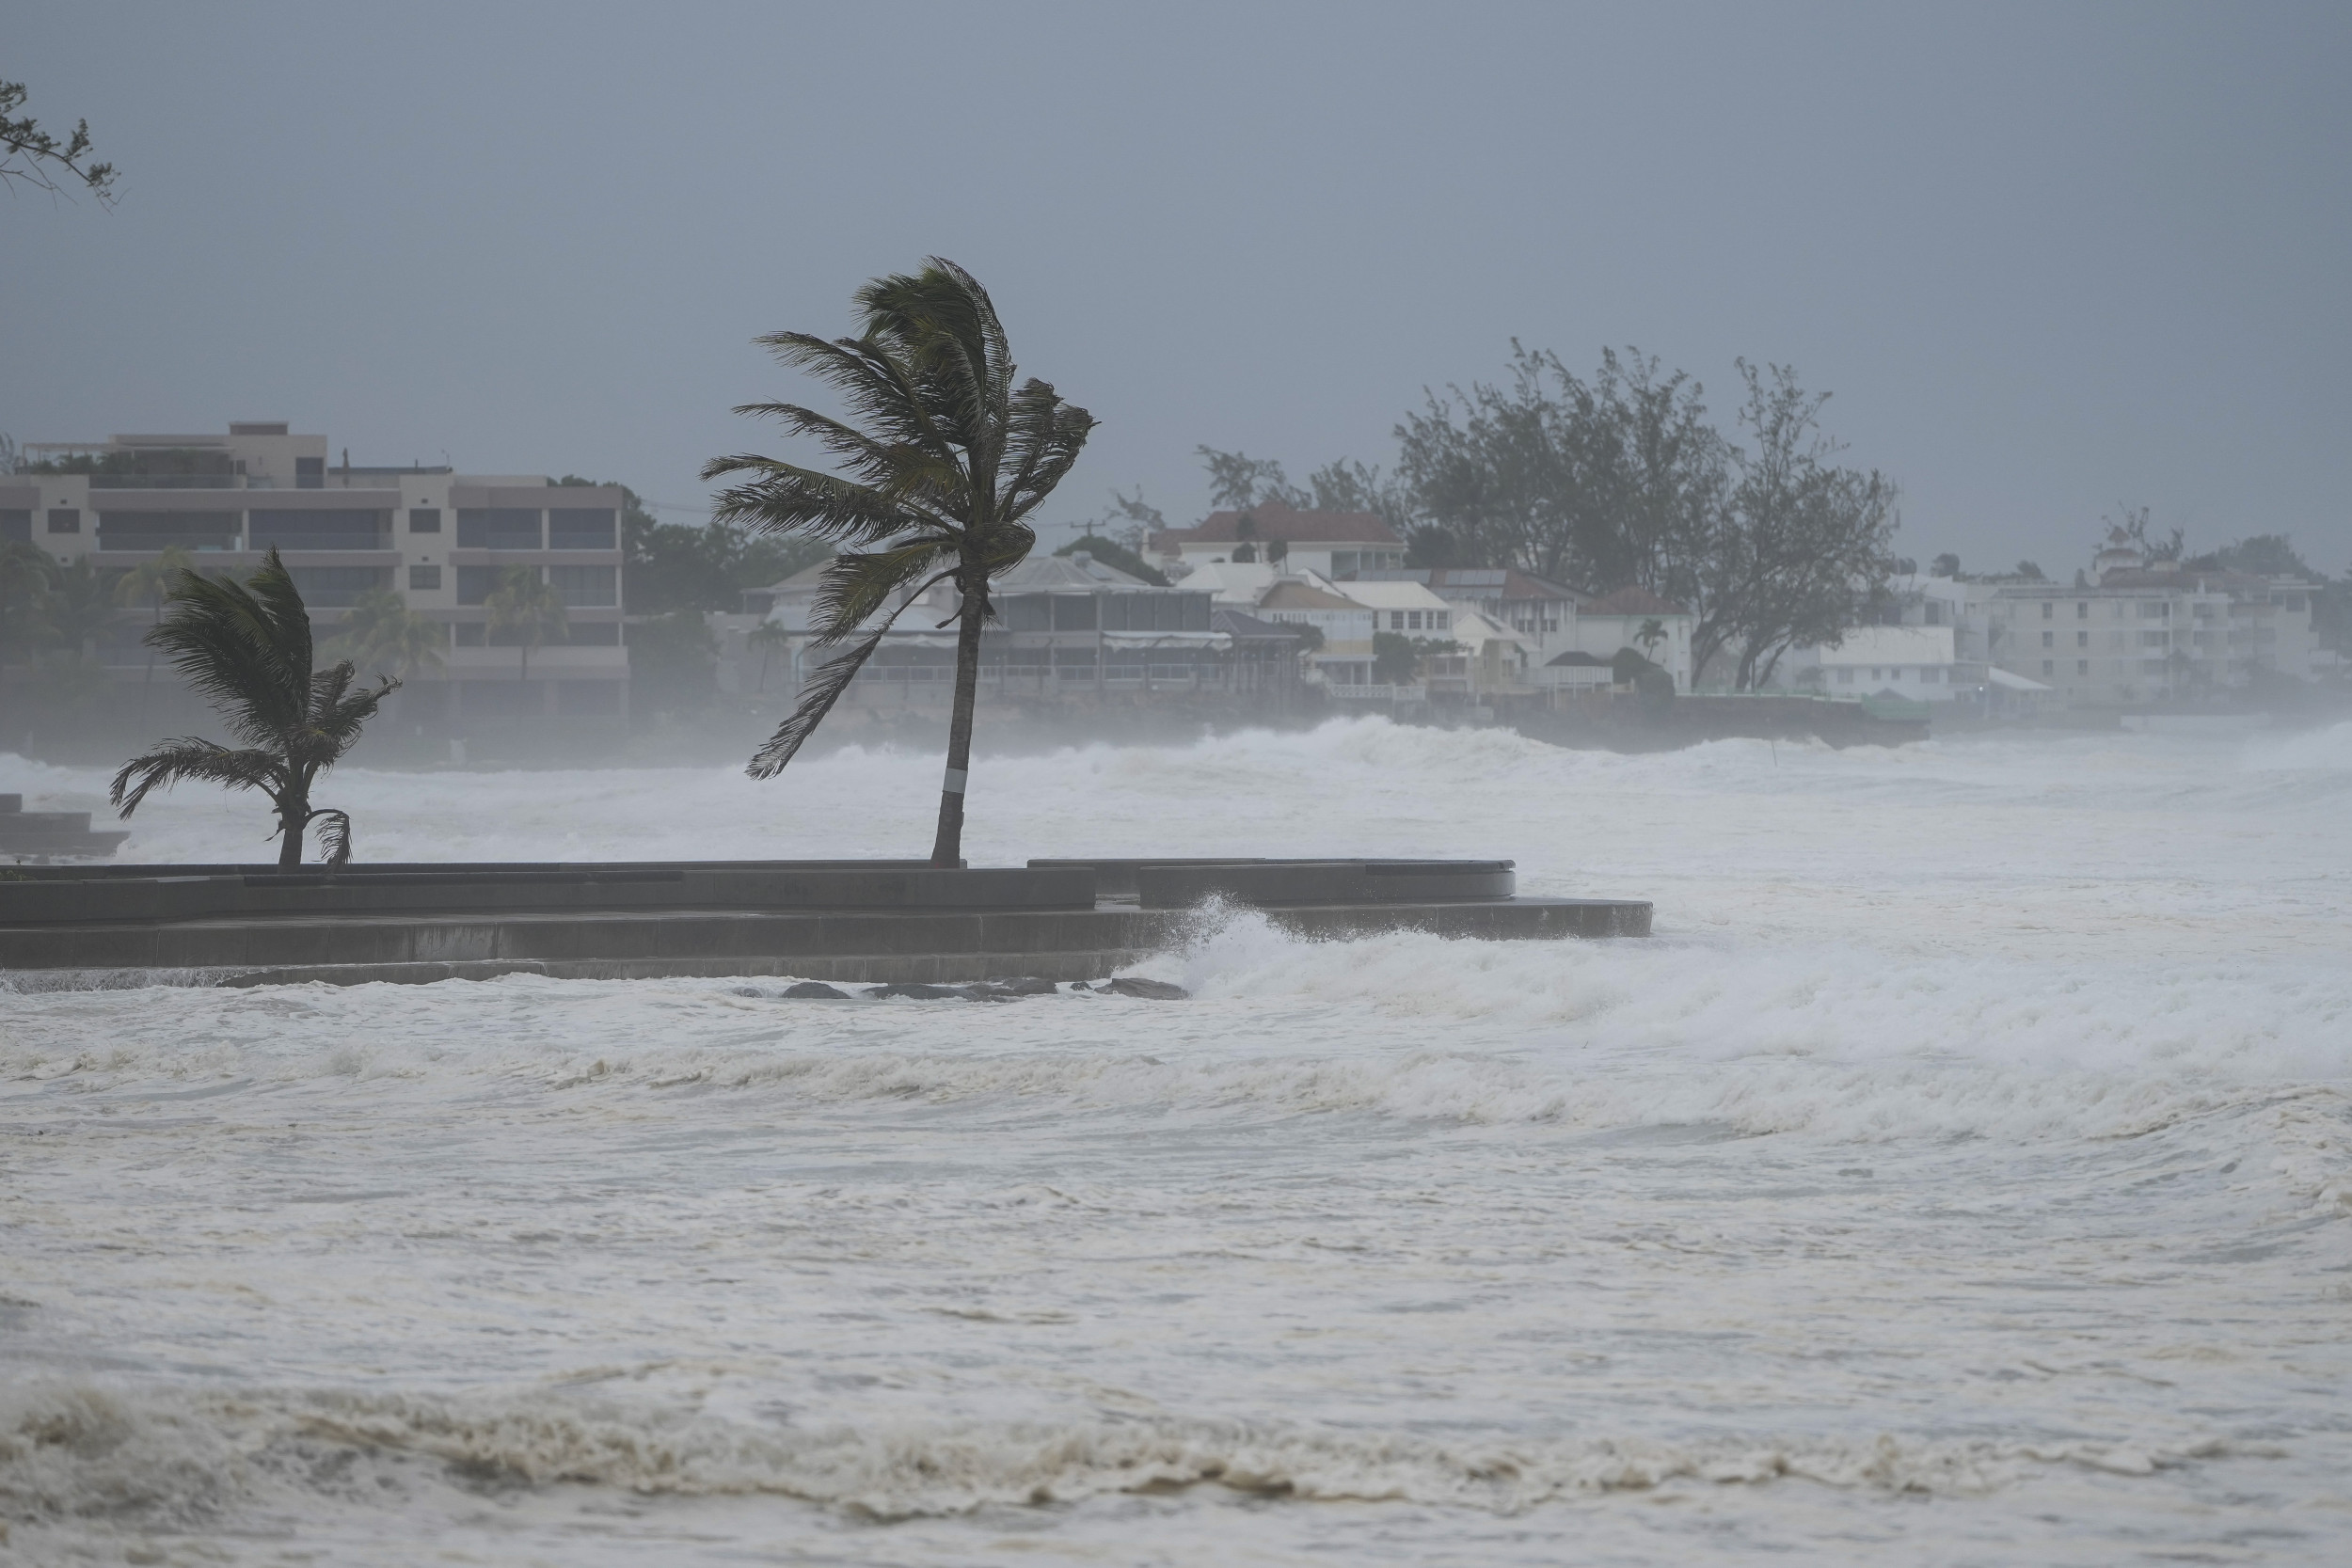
2051, 259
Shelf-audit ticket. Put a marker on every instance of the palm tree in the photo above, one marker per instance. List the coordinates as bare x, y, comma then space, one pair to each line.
77, 606
1653, 632
529, 607
247, 647
379, 631
148, 582
951, 458
767, 637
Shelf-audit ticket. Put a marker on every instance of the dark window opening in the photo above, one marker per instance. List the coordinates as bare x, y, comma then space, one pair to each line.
16, 525
320, 529
64, 519
309, 473
155, 530
1074, 611
580, 528
337, 587
425, 519
497, 527
424, 579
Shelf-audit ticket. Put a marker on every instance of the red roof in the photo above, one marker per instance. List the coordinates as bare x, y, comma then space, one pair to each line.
1275, 521
1631, 601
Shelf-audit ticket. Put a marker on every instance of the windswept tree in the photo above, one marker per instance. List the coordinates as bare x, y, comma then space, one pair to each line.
147, 583
247, 648
944, 456
39, 158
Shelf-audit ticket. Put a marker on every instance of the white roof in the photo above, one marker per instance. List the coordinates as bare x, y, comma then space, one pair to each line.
1391, 596
1999, 677
1243, 583
1892, 645
1475, 629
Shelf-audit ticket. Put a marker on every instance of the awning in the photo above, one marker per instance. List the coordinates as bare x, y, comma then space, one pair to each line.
2015, 683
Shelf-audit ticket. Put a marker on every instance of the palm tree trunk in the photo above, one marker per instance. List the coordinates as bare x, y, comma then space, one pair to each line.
292, 820
947, 848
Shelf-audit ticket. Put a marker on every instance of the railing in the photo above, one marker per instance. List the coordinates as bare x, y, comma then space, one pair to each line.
150, 544
1380, 694
263, 538
166, 482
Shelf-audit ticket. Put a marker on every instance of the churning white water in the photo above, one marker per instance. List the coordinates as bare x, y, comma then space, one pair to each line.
1961, 1175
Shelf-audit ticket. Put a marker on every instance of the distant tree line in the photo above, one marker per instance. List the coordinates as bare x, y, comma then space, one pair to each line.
1619, 479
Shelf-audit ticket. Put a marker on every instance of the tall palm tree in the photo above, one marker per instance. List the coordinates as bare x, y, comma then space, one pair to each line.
147, 583
529, 607
247, 647
952, 455
381, 632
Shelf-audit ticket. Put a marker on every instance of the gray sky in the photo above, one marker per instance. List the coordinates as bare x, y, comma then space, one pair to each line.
2050, 259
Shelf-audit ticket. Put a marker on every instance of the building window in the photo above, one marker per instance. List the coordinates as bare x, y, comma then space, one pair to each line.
1438, 619
424, 579
309, 473
1844, 677
2082, 639
2082, 667
497, 527
16, 525
1074, 613
319, 530
572, 528
585, 587
2049, 667
2082, 609
2048, 638
1412, 620
337, 587
425, 519
2046, 609
64, 519
475, 584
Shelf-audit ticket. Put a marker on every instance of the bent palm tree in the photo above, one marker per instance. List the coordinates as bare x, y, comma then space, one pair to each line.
951, 458
247, 647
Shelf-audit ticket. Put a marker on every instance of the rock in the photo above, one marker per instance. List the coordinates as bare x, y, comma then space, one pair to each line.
920, 993
815, 991
1027, 986
1153, 990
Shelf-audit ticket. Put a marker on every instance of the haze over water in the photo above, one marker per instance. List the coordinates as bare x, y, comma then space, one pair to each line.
1960, 1175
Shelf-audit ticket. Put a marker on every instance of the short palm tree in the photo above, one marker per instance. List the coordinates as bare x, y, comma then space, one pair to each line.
247, 647
381, 632
946, 458
527, 607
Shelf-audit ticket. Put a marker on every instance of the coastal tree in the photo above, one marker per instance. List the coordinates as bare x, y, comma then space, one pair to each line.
381, 632
527, 608
247, 648
147, 583
32, 156
944, 456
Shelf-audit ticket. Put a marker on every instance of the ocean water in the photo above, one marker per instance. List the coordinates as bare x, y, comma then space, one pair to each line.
1961, 1175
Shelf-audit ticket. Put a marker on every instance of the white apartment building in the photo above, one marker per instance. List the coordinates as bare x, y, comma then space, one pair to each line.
439, 539
2150, 633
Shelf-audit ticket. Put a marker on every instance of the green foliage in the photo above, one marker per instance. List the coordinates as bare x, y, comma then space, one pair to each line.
1654, 686
37, 158
1394, 658
2030, 572
944, 456
2266, 555
1111, 553
246, 649
673, 661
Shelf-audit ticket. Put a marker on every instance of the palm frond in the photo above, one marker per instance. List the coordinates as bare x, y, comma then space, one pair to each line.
874, 386
1044, 437
334, 835
793, 500
824, 688
229, 642
856, 586
191, 757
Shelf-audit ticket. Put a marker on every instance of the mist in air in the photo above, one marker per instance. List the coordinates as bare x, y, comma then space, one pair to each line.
1881, 478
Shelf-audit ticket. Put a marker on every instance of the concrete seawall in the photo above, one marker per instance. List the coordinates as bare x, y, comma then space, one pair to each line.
876, 923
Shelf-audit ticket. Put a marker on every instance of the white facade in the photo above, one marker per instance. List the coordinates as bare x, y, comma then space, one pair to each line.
1405, 609
2144, 635
437, 539
1914, 662
1618, 620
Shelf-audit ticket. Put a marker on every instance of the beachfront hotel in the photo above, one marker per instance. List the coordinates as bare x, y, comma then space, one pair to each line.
438, 538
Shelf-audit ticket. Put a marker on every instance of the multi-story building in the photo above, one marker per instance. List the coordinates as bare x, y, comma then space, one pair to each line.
1331, 543
440, 540
2155, 632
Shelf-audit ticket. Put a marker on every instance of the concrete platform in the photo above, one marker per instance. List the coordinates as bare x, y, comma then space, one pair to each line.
880, 923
